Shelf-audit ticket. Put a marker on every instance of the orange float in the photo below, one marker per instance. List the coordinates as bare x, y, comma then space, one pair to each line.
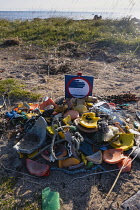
126, 163
33, 106
113, 156
47, 103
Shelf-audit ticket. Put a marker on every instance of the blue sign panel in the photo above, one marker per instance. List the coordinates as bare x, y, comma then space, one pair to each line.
78, 86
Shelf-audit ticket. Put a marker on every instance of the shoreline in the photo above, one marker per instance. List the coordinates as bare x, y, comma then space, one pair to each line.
75, 15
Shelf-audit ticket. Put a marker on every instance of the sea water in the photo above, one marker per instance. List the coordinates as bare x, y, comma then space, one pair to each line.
29, 15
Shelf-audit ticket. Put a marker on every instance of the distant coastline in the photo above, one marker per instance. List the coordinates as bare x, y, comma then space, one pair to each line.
29, 15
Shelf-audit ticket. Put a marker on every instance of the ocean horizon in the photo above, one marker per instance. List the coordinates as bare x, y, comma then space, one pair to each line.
30, 15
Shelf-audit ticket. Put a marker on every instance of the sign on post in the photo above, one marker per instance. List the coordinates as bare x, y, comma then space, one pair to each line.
78, 86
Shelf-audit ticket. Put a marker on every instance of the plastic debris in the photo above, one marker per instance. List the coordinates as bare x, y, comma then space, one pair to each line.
34, 138
126, 163
75, 132
96, 158
89, 120
113, 156
124, 141
37, 169
50, 200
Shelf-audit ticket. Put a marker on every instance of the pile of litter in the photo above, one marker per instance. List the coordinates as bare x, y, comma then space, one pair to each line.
76, 133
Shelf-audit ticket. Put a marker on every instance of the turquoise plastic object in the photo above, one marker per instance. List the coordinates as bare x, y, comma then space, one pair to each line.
50, 200
136, 124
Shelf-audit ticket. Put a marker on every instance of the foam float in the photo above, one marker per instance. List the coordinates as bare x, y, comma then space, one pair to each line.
34, 138
113, 156
126, 141
96, 158
37, 169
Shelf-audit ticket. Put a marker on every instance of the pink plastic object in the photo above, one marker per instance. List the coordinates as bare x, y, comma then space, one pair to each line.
73, 113
126, 163
37, 169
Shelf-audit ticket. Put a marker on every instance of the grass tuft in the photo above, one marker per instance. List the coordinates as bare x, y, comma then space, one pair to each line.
16, 90
52, 31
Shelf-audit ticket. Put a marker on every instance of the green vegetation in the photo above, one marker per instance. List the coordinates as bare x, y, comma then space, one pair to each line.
8, 199
6, 189
122, 33
16, 90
